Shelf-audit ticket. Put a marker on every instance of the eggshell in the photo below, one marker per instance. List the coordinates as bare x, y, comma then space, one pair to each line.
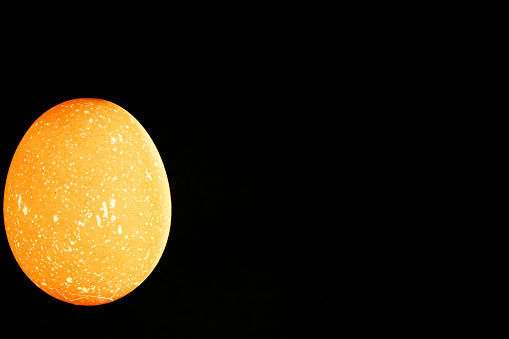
87, 205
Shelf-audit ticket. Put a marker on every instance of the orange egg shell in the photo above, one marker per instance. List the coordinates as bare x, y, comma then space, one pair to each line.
87, 204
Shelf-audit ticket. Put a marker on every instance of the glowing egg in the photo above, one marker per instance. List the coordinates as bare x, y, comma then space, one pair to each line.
87, 204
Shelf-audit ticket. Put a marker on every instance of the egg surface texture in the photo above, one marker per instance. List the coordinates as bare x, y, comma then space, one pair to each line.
87, 206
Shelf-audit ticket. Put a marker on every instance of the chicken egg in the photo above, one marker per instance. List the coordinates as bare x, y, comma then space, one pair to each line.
87, 205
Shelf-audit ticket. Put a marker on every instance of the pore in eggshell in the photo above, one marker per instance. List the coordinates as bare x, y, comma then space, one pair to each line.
87, 205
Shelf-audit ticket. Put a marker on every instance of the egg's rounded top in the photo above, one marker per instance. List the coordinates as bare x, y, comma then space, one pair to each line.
87, 205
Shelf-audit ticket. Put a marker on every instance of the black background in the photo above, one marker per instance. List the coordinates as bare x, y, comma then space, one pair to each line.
289, 174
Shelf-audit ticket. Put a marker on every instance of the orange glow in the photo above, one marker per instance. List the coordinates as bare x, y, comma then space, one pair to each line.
87, 203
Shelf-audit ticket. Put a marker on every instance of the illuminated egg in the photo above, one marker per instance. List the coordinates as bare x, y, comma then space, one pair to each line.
87, 204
